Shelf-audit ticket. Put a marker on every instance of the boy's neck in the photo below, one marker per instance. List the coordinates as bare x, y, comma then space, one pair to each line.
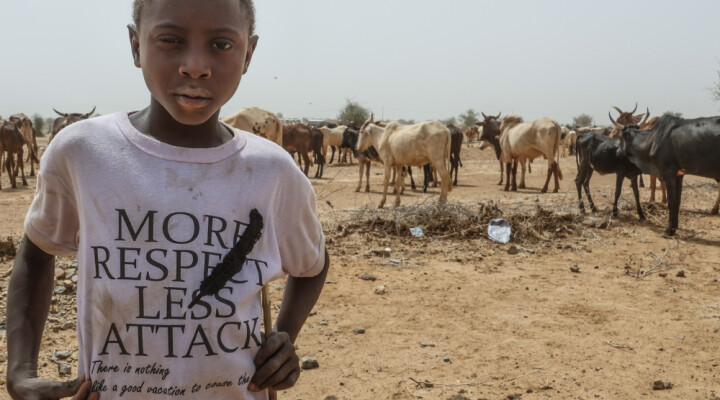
156, 122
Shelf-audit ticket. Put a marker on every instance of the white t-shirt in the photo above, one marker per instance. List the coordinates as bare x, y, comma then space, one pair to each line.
148, 221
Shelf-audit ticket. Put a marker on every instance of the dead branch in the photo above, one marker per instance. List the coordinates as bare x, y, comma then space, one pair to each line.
619, 346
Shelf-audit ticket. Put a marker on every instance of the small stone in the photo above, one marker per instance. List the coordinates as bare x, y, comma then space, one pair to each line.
382, 252
359, 331
380, 289
68, 283
663, 274
67, 325
277, 286
395, 261
427, 344
531, 251
680, 273
446, 359
60, 289
74, 278
515, 396
368, 277
61, 355
309, 363
575, 269
331, 397
662, 385
59, 274
64, 369
513, 249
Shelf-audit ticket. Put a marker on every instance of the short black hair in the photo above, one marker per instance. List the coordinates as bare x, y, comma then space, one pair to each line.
246, 6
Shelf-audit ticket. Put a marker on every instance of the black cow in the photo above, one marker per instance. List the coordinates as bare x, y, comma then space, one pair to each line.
672, 148
599, 153
491, 134
456, 139
316, 144
349, 144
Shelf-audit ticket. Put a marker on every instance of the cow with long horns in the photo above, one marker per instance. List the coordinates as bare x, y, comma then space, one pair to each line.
66, 119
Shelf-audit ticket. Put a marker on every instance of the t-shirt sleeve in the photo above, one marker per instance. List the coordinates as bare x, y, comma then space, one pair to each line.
52, 221
301, 239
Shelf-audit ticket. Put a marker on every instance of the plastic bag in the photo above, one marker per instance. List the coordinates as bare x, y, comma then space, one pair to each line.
417, 232
499, 230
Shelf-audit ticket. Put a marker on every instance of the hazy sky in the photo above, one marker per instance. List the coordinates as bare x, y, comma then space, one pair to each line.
411, 59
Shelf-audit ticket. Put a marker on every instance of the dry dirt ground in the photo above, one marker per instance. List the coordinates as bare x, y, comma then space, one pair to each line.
461, 318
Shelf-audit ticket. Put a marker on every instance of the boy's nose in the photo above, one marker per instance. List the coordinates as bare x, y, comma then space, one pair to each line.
193, 66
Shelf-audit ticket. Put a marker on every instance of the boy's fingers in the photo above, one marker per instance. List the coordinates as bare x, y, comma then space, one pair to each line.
272, 345
84, 391
283, 378
276, 368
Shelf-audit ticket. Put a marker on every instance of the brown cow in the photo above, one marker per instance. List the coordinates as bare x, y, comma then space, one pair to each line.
472, 132
316, 146
258, 121
66, 119
296, 137
12, 144
28, 132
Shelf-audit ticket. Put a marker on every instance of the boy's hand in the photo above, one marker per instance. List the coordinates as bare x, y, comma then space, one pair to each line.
44, 389
276, 364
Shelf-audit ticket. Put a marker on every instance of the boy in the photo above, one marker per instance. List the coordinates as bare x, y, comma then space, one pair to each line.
152, 202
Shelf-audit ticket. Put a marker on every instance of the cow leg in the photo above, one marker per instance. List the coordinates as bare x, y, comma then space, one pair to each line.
22, 166
674, 188
9, 168
514, 175
386, 181
427, 177
398, 182
549, 175
412, 181
653, 182
523, 164
445, 182
367, 176
586, 185
306, 159
619, 178
716, 208
579, 180
636, 193
435, 176
507, 176
663, 188
502, 170
357, 189
642, 183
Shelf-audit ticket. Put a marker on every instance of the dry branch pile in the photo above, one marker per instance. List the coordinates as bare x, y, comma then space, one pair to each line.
457, 220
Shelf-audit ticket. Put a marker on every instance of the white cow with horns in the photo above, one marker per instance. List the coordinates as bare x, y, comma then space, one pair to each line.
414, 145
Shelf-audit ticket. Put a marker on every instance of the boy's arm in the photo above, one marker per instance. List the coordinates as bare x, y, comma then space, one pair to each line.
28, 304
276, 362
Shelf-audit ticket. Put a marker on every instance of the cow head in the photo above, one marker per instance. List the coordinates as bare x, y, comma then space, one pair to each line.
627, 135
66, 119
491, 127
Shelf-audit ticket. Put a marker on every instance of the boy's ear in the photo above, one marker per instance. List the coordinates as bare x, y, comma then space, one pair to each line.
134, 44
252, 44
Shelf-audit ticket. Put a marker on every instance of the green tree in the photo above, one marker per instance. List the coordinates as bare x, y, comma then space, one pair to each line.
38, 122
353, 113
583, 120
469, 118
715, 89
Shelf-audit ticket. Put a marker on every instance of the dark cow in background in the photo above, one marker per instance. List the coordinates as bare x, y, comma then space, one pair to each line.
597, 152
348, 144
12, 145
25, 126
296, 138
672, 148
66, 119
316, 145
456, 139
365, 158
491, 134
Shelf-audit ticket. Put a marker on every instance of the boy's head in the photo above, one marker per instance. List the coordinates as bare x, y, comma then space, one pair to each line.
193, 53
246, 6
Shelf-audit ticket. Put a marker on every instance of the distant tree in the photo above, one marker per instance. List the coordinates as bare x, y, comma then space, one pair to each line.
470, 117
280, 115
353, 113
673, 113
715, 89
449, 121
38, 122
49, 124
583, 120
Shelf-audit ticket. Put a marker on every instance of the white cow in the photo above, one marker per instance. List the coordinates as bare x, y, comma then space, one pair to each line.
414, 145
529, 140
332, 137
258, 121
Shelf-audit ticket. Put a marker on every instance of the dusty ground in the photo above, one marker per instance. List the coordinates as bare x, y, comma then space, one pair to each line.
461, 318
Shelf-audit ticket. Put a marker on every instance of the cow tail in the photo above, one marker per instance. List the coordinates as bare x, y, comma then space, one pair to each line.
446, 159
556, 151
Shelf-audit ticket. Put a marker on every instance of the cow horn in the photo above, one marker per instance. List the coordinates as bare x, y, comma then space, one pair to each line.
617, 126
618, 110
498, 116
372, 117
645, 118
90, 113
634, 109
483, 114
59, 113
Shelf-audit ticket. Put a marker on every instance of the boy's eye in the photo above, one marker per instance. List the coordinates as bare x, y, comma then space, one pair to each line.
223, 45
169, 40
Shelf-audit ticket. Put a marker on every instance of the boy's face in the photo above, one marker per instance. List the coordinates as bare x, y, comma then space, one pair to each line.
192, 54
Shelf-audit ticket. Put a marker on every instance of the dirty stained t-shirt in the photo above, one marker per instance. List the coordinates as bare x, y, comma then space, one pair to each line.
148, 221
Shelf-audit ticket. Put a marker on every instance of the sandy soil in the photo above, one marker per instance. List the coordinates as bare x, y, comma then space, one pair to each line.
461, 318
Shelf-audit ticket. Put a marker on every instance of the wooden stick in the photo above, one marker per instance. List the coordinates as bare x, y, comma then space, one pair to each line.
267, 325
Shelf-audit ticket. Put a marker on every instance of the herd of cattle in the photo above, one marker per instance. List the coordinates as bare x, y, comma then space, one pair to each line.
667, 148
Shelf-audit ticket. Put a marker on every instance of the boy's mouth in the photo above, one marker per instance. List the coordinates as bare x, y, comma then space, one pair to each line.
192, 98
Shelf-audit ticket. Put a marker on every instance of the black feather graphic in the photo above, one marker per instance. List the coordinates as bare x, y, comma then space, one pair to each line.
233, 261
